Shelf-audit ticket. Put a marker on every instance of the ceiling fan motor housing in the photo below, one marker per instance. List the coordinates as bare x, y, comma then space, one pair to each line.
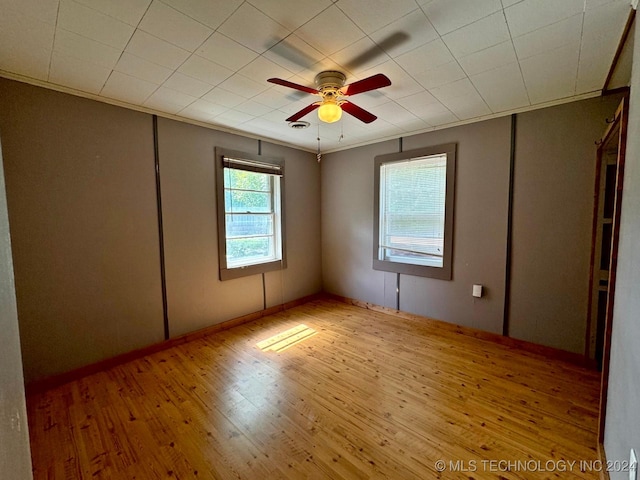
329, 82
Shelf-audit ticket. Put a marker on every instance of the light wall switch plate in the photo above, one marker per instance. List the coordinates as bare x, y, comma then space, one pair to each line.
477, 291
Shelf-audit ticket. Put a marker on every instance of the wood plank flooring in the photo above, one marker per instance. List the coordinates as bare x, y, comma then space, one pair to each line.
361, 395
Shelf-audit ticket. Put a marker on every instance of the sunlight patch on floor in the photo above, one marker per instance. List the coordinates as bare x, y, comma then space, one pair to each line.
281, 341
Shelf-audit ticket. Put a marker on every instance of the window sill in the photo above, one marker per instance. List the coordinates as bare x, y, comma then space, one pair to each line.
440, 273
254, 269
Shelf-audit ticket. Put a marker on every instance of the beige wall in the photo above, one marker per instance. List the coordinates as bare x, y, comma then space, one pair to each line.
552, 204
480, 224
15, 457
622, 430
82, 205
84, 223
196, 297
554, 181
82, 210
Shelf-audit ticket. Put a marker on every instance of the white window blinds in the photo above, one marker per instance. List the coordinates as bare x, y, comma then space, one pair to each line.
250, 199
412, 210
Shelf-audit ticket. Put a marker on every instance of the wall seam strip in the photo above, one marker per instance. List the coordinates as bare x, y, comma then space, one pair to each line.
264, 284
163, 276
400, 149
509, 241
264, 292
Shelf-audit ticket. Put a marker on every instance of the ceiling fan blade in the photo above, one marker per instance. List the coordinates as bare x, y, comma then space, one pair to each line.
308, 109
287, 83
370, 83
360, 113
379, 48
287, 50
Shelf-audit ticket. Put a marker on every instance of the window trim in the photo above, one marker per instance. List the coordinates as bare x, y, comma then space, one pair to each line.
444, 272
222, 157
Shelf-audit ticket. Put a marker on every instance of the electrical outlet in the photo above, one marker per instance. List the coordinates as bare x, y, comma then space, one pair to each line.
633, 465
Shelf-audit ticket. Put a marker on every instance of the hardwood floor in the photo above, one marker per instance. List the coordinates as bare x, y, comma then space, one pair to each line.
362, 395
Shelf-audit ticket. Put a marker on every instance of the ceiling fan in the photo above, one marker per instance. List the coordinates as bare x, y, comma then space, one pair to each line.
333, 92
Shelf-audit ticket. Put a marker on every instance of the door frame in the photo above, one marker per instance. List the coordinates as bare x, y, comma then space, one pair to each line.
620, 120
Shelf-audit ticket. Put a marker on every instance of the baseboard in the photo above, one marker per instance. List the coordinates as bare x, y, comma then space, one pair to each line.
602, 456
549, 352
53, 381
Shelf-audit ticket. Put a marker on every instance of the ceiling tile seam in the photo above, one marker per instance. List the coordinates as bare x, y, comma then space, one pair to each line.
101, 14
111, 16
524, 82
189, 16
32, 18
111, 70
488, 69
287, 28
465, 72
177, 69
247, 46
53, 42
575, 85
293, 74
515, 3
399, 106
201, 99
83, 60
246, 99
455, 58
131, 76
169, 41
233, 72
425, 88
564, 19
216, 30
555, 49
542, 28
545, 53
260, 93
462, 26
194, 52
95, 40
135, 28
404, 16
141, 58
412, 77
330, 56
385, 25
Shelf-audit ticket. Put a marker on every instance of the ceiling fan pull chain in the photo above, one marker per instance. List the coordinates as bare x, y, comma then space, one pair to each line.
319, 155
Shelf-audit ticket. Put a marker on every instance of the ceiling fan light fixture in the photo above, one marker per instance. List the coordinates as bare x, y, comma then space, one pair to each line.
332, 91
329, 112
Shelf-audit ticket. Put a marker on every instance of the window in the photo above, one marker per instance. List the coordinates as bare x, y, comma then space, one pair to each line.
414, 212
250, 190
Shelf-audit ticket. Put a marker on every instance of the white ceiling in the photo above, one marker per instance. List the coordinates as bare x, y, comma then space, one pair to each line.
449, 61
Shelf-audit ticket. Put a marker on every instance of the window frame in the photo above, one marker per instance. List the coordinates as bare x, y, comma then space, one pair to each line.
253, 164
444, 272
